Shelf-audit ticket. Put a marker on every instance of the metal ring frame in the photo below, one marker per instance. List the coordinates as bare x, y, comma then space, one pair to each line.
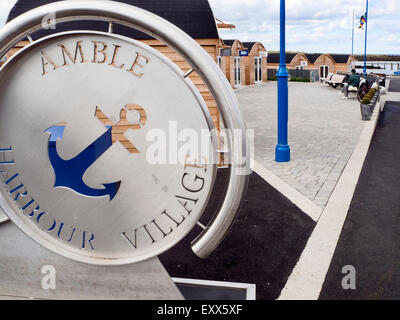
115, 12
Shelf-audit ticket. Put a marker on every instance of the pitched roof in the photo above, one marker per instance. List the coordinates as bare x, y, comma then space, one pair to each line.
229, 42
338, 58
312, 57
195, 17
249, 45
275, 57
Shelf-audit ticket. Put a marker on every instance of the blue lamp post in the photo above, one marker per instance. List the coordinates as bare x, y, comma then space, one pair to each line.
282, 151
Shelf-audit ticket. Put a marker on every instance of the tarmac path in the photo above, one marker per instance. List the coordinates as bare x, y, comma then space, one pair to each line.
370, 239
262, 248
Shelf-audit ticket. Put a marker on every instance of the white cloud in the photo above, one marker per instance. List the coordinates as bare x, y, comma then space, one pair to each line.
313, 26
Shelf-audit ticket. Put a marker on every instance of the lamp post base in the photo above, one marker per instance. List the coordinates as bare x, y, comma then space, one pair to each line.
282, 153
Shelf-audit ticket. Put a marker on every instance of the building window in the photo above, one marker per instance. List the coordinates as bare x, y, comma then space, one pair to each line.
299, 67
219, 61
238, 72
258, 69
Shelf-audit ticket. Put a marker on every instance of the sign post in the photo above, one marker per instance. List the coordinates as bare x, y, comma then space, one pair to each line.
27, 266
282, 151
352, 37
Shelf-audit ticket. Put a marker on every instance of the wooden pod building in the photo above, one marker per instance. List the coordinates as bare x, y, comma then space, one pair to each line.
224, 51
195, 17
255, 63
235, 65
324, 63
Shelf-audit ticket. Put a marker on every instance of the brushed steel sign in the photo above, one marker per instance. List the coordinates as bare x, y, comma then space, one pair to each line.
78, 112
3, 217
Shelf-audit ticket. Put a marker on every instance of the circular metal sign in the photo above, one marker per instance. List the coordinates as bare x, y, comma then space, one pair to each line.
92, 158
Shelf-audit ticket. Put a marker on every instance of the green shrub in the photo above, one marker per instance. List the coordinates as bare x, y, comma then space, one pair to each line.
365, 100
368, 97
291, 79
300, 79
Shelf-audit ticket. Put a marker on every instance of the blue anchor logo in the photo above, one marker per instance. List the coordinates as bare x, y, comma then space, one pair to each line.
69, 173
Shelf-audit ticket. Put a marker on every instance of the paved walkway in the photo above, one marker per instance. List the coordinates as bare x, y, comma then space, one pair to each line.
323, 131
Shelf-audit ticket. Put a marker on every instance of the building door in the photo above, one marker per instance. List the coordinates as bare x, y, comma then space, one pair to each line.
258, 69
238, 72
323, 71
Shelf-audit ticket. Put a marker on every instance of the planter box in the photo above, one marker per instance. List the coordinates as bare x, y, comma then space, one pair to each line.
366, 112
372, 106
368, 109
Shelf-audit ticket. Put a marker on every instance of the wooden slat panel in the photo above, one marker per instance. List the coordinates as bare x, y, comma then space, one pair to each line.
165, 50
202, 42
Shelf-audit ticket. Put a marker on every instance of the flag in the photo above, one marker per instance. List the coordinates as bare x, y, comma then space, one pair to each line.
363, 20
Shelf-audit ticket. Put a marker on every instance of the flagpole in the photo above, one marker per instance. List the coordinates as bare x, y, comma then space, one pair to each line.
352, 38
366, 37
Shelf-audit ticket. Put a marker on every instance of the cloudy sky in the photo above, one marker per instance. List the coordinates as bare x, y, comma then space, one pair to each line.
312, 26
